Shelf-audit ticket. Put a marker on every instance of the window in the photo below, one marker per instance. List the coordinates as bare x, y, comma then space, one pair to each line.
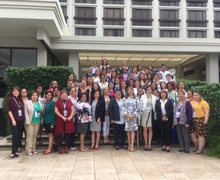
86, 1
64, 9
24, 57
141, 17
169, 33
85, 32
142, 2
216, 3
196, 18
85, 15
169, 2
113, 32
196, 3
63, 1
113, 16
196, 34
113, 2
169, 18
141, 33
217, 34
217, 18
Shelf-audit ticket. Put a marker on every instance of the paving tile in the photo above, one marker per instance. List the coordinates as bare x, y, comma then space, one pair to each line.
174, 176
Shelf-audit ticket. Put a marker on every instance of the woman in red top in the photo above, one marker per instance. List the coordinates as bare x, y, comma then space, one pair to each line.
64, 120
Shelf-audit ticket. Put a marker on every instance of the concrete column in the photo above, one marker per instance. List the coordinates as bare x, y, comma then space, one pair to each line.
74, 62
210, 18
212, 68
155, 16
41, 56
179, 72
99, 15
183, 17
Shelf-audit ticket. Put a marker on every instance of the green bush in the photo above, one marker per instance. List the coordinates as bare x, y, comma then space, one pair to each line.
191, 85
31, 77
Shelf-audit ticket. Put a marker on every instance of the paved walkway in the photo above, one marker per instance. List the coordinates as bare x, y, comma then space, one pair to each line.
108, 163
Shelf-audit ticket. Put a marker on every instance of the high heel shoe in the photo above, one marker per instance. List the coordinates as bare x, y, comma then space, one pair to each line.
92, 147
96, 148
163, 148
46, 153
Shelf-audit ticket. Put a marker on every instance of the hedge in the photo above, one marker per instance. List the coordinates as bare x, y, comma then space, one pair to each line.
31, 77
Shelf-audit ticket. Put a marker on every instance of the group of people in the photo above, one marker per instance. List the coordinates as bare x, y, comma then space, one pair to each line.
130, 99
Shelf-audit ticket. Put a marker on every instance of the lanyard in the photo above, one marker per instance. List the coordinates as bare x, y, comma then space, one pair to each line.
17, 102
64, 105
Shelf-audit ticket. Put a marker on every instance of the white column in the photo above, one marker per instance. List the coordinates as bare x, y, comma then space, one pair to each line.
210, 18
128, 16
99, 15
74, 62
41, 56
70, 16
155, 16
212, 68
183, 17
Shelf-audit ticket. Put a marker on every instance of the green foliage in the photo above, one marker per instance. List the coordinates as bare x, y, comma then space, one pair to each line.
191, 85
31, 77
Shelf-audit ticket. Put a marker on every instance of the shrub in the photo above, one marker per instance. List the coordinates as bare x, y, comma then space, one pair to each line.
191, 85
31, 77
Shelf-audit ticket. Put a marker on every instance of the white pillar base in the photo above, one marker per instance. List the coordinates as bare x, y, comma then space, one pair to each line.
212, 68
74, 62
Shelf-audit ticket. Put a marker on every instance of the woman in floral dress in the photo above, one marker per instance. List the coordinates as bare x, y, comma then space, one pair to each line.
131, 112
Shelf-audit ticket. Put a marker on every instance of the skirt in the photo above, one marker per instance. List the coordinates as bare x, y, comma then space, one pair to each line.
198, 127
82, 128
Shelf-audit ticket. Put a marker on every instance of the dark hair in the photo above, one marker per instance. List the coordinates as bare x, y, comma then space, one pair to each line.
93, 91
42, 93
163, 65
49, 92
84, 94
163, 91
172, 84
16, 88
162, 83
148, 87
32, 93
104, 60
56, 87
63, 91
155, 85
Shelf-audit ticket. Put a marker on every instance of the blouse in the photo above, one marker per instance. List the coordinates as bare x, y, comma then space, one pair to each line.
198, 108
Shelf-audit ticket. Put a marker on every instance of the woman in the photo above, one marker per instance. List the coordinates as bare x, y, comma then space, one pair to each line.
84, 90
104, 65
181, 86
95, 87
24, 98
149, 78
96, 77
113, 76
56, 93
198, 130
172, 94
116, 118
98, 109
41, 100
117, 84
124, 89
137, 86
163, 85
15, 110
73, 97
164, 111
189, 96
147, 106
135, 73
142, 79
49, 121
111, 90
64, 121
182, 120
83, 117
103, 84
131, 112
52, 85
106, 123
139, 68
33, 110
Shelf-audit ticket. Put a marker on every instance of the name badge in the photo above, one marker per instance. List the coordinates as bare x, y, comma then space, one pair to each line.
194, 114
36, 114
65, 113
148, 109
19, 113
177, 114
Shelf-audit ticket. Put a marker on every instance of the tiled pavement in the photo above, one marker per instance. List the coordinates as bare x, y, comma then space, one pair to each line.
108, 163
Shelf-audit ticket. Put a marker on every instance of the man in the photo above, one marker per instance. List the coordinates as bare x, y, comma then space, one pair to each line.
89, 73
163, 72
94, 67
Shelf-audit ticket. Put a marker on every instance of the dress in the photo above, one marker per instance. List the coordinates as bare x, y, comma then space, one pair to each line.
94, 126
146, 118
131, 106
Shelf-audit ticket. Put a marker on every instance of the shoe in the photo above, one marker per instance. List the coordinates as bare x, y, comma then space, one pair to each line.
65, 150
186, 152
194, 150
96, 148
12, 156
19, 150
30, 154
73, 148
82, 150
149, 148
163, 148
167, 149
180, 150
34, 152
117, 147
92, 147
60, 150
46, 153
124, 147
145, 147
199, 152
